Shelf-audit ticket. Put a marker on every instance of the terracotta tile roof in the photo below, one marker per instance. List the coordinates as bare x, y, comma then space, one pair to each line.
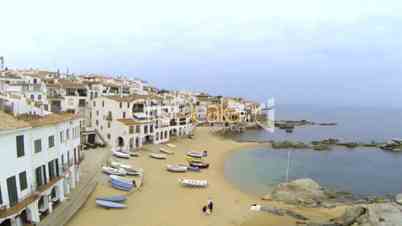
132, 122
49, 119
133, 98
9, 122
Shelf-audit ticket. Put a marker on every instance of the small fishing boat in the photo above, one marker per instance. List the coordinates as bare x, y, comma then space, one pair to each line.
116, 198
171, 145
121, 180
165, 151
176, 168
116, 164
110, 205
120, 186
197, 154
134, 154
202, 165
120, 154
158, 156
192, 159
193, 168
114, 171
194, 183
135, 172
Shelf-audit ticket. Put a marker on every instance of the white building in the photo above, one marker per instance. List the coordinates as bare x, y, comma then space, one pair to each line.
40, 165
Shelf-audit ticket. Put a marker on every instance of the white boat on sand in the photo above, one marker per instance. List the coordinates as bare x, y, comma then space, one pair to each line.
110, 205
176, 168
171, 145
194, 183
121, 154
116, 164
158, 156
165, 151
114, 171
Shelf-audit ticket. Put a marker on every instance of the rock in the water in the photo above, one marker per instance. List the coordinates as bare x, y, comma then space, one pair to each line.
305, 192
398, 199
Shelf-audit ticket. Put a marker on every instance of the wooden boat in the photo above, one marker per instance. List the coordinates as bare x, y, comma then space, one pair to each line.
165, 151
158, 156
194, 183
202, 165
114, 171
121, 154
117, 198
110, 205
176, 168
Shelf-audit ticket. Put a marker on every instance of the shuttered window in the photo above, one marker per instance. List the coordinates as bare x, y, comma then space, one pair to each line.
38, 145
23, 181
20, 146
51, 141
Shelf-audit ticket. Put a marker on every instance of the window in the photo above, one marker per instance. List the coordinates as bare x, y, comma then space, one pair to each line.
108, 124
97, 122
103, 103
61, 137
97, 113
124, 114
108, 136
94, 103
38, 145
131, 130
23, 181
128, 104
121, 104
137, 129
51, 141
68, 134
39, 97
20, 146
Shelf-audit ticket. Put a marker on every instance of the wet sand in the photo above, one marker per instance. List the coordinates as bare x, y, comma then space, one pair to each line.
163, 202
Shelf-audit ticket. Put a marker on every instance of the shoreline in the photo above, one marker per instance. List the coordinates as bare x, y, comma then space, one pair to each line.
162, 201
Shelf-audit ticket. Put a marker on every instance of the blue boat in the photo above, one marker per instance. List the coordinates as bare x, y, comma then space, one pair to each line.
110, 205
117, 198
121, 186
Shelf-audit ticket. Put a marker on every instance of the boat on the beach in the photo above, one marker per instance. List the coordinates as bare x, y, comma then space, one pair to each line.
192, 159
116, 164
116, 198
165, 151
122, 183
193, 168
194, 183
135, 171
158, 156
120, 154
176, 168
171, 145
110, 205
197, 154
114, 171
202, 165
134, 154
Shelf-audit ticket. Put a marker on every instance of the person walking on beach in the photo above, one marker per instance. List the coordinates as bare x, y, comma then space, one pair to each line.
204, 210
210, 206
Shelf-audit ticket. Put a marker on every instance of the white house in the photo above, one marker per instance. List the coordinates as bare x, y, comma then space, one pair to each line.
40, 165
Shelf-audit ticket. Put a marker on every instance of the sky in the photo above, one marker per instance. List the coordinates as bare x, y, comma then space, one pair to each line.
344, 52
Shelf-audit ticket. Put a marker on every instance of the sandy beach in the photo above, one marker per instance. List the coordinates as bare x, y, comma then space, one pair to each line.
161, 201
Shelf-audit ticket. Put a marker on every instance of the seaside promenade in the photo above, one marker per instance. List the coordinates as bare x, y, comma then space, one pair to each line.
89, 171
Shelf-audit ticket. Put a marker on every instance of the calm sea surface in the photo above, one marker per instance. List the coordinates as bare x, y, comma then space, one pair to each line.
364, 171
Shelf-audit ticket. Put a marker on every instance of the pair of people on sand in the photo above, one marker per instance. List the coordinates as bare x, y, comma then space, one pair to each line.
207, 209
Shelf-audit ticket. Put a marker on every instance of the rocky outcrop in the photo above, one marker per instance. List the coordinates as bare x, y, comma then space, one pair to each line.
289, 144
385, 214
398, 199
305, 192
